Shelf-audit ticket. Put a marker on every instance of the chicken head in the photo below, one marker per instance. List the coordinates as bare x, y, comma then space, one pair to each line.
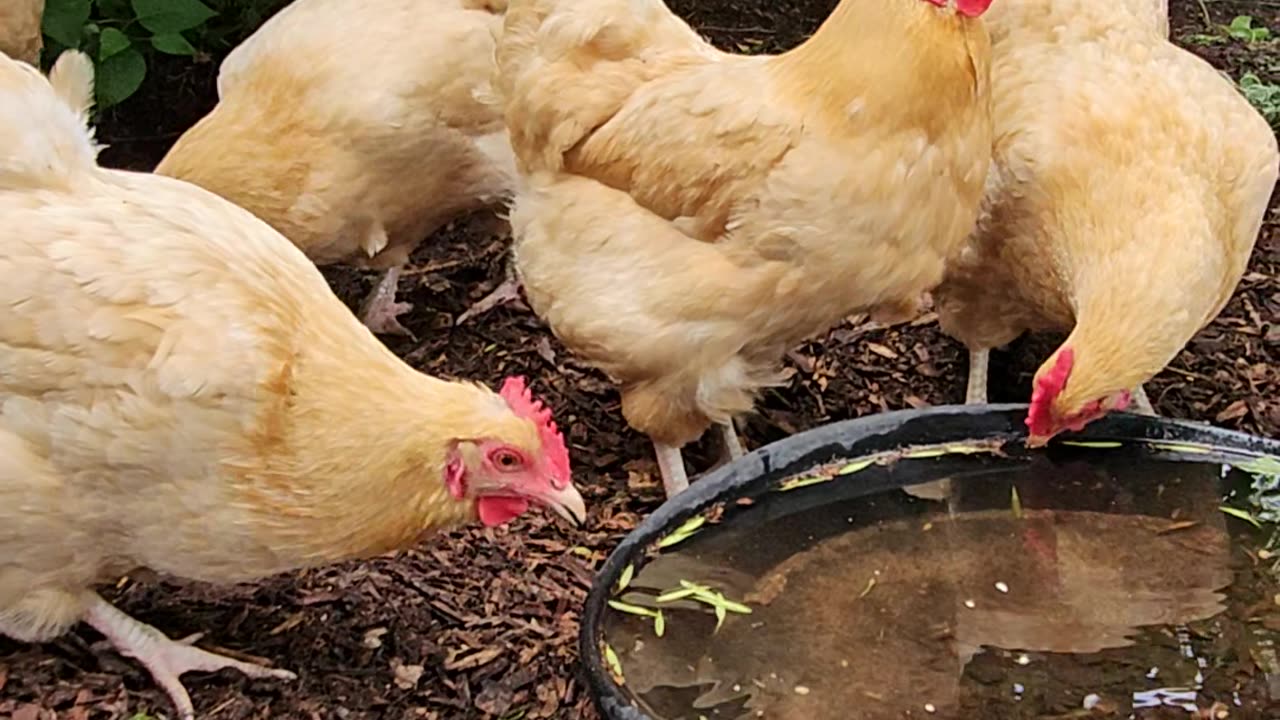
1054, 410
504, 476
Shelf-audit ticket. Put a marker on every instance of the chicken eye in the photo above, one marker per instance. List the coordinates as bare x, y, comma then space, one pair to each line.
506, 460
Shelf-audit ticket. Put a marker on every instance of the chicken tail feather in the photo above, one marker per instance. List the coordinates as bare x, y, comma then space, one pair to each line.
44, 122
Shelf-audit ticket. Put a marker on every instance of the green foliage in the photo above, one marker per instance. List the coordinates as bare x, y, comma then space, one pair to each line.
1264, 95
120, 36
1242, 29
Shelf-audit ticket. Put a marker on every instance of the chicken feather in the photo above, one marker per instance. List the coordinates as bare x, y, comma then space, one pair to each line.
180, 390
687, 215
21, 37
356, 151
1129, 185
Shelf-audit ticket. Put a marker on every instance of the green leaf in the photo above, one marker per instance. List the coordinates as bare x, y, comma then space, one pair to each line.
172, 44
1095, 444
1242, 514
924, 453
1185, 449
797, 483
659, 624
684, 532
119, 76
64, 20
674, 595
171, 16
627, 573
631, 609
856, 466
615, 665
112, 42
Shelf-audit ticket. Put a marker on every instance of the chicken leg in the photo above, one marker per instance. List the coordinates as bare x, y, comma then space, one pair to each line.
733, 447
1141, 403
166, 659
671, 464
976, 391
507, 292
379, 311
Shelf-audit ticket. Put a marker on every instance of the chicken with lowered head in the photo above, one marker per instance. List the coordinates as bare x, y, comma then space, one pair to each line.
354, 129
687, 216
1129, 183
180, 390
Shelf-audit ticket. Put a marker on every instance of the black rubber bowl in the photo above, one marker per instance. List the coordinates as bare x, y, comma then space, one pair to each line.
934, 442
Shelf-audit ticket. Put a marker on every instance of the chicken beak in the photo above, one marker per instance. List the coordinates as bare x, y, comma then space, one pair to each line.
566, 503
1037, 441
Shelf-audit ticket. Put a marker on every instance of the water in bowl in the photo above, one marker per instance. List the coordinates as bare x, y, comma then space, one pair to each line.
1063, 588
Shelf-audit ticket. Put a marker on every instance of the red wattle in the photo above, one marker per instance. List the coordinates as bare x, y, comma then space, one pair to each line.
499, 510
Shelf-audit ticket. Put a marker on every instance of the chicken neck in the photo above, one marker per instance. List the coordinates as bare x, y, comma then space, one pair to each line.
164, 658
928, 51
350, 458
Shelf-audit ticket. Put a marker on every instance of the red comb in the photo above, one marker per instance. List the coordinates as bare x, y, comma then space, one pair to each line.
521, 401
1047, 387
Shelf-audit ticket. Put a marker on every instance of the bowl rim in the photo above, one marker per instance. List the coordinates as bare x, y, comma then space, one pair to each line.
852, 439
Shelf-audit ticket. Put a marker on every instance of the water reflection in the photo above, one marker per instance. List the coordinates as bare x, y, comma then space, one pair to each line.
889, 606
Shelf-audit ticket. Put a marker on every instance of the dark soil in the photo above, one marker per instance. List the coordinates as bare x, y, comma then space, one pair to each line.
490, 616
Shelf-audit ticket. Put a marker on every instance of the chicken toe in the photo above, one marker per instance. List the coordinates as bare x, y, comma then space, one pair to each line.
166, 659
1141, 403
976, 392
507, 293
380, 312
671, 464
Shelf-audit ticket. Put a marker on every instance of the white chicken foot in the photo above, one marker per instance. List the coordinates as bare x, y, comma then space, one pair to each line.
675, 479
165, 658
507, 293
976, 391
1141, 403
380, 311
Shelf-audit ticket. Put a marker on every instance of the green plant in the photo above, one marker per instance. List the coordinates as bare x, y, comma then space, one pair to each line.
120, 35
1264, 95
1242, 28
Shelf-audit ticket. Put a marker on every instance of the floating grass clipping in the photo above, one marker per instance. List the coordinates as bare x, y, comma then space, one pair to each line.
704, 594
625, 579
925, 453
1095, 444
614, 664
932, 451
856, 466
797, 483
659, 622
1265, 465
1015, 502
1178, 448
1242, 514
684, 532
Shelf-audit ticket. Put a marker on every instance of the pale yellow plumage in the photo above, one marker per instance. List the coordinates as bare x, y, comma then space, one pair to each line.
356, 128
20, 33
690, 215
179, 389
1129, 184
